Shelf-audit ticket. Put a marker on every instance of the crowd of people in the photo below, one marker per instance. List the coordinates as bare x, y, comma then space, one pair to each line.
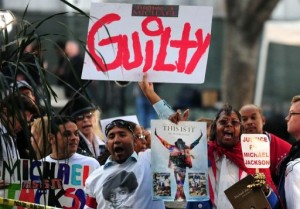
120, 158
74, 136
225, 154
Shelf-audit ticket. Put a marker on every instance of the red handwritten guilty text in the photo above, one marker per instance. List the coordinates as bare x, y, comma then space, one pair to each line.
147, 59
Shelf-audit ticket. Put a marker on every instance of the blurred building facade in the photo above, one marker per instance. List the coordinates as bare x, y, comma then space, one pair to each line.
282, 69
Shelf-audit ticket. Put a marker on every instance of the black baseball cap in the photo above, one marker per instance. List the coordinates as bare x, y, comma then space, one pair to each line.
121, 124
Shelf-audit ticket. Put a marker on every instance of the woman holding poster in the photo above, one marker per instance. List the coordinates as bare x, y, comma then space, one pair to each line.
226, 164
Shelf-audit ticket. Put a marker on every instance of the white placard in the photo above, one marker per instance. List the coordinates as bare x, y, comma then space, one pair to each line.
256, 150
168, 42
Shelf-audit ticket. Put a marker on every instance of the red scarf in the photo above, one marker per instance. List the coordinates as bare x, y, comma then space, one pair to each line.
235, 155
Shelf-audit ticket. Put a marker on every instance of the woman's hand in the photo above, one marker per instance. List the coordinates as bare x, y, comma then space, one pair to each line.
260, 182
148, 90
179, 116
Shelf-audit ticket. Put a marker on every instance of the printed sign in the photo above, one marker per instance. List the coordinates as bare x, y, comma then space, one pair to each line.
179, 161
46, 183
256, 150
168, 42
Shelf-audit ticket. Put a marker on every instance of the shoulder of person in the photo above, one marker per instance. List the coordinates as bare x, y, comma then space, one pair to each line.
145, 155
274, 137
293, 165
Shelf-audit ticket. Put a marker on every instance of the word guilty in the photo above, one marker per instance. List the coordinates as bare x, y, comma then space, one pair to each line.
190, 47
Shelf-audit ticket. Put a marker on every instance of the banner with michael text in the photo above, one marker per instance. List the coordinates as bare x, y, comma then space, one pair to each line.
45, 183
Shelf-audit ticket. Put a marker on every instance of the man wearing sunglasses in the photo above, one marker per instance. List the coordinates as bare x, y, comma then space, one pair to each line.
120, 143
87, 117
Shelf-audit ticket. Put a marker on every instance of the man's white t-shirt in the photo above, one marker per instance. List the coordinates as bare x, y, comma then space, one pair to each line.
77, 159
133, 178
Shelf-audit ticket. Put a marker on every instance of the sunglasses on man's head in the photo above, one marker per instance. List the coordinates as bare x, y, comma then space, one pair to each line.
119, 123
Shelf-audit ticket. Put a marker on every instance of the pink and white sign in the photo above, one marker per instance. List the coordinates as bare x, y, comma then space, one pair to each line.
168, 42
256, 150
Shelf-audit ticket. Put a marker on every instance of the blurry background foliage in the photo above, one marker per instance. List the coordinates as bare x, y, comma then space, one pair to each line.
24, 46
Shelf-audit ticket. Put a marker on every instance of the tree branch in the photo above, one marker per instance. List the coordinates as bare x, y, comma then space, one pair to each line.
255, 16
249, 16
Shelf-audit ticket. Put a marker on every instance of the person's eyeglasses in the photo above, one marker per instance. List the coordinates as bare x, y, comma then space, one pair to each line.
226, 122
140, 136
81, 117
292, 113
119, 123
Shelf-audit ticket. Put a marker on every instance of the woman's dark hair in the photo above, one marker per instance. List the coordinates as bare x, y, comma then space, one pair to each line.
227, 109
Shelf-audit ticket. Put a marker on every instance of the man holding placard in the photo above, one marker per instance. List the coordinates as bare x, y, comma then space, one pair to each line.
253, 121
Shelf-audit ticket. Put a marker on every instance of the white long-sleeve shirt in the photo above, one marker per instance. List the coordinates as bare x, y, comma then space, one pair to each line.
292, 184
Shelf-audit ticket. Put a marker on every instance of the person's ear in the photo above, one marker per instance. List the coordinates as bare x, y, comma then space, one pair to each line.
134, 140
263, 118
